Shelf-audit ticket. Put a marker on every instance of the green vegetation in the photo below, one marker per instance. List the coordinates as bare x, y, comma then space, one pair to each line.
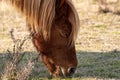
91, 65
100, 65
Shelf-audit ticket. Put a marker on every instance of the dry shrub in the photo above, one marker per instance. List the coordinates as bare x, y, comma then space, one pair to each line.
13, 70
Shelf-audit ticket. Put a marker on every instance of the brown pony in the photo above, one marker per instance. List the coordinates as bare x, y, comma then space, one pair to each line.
54, 27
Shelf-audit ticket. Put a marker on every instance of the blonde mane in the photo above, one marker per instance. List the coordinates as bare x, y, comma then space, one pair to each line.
41, 13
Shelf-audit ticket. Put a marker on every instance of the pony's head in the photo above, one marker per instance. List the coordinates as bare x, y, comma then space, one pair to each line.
54, 26
60, 56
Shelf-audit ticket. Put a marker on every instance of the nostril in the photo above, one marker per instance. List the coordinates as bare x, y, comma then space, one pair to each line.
72, 70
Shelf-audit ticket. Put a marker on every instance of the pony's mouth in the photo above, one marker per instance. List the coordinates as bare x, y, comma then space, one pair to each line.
67, 73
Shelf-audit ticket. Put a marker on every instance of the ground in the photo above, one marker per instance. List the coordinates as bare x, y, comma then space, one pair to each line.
97, 45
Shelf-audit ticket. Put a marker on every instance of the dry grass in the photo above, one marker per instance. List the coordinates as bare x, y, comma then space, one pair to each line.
98, 43
98, 32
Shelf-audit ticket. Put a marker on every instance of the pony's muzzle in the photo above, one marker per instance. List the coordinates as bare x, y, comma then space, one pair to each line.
69, 72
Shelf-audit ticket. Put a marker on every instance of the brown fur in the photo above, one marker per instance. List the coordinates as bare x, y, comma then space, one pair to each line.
54, 26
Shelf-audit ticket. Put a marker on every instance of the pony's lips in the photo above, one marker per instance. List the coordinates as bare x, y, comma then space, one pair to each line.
62, 73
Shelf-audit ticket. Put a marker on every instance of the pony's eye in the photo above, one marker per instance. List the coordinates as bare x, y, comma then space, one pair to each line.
64, 34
